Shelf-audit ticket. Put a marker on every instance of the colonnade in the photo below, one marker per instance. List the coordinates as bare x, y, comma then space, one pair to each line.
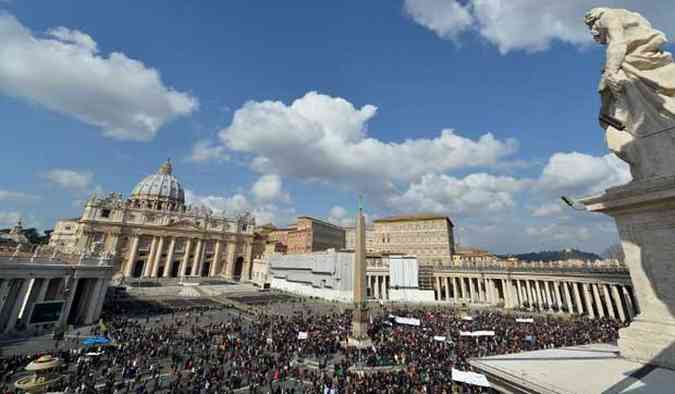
560, 295
378, 286
171, 256
80, 299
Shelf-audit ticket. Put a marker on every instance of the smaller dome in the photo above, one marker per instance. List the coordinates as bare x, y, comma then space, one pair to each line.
162, 187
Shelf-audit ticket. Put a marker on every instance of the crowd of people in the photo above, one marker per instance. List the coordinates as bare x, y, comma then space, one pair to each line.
216, 350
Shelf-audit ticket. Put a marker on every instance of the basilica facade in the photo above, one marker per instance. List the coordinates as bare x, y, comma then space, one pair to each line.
152, 233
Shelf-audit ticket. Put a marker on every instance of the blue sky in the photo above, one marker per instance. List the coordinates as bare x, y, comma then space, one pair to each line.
478, 111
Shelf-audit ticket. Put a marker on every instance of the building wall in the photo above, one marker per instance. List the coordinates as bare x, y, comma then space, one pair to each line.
350, 238
310, 235
430, 240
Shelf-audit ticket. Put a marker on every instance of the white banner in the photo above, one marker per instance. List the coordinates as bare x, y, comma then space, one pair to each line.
473, 378
467, 318
407, 320
521, 320
482, 333
439, 338
302, 335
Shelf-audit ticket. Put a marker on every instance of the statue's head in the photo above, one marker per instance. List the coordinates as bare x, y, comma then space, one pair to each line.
590, 19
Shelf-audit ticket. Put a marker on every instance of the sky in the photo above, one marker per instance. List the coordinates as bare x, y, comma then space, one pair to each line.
482, 110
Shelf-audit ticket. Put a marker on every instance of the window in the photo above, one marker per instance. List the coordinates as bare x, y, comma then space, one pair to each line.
68, 228
105, 213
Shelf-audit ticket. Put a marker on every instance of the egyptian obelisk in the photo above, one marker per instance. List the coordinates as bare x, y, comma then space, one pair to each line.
359, 336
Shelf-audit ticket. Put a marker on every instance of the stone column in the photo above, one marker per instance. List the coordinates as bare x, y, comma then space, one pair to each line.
446, 282
617, 300
598, 301
588, 300
481, 292
147, 271
68, 304
4, 292
547, 294
455, 293
520, 293
632, 311
215, 265
438, 288
169, 258
197, 259
577, 298
186, 257
41, 291
228, 267
608, 301
556, 295
133, 251
18, 303
539, 297
528, 293
568, 298
376, 287
465, 296
158, 257
92, 302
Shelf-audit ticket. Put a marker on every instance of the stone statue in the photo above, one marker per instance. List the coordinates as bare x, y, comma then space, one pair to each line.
637, 90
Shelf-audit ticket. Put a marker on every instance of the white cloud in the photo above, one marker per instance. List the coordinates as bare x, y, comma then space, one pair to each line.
70, 179
6, 195
269, 188
531, 25
240, 203
63, 71
577, 173
548, 209
339, 216
324, 138
9, 218
445, 18
205, 150
560, 232
474, 194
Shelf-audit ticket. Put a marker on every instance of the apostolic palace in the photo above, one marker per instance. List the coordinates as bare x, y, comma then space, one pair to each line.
153, 233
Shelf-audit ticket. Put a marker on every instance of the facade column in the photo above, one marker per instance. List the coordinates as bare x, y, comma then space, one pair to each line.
132, 256
438, 288
617, 300
68, 301
376, 283
547, 294
186, 257
169, 258
481, 292
631, 309
92, 302
577, 298
528, 293
228, 268
215, 264
588, 300
455, 293
463, 287
568, 298
197, 258
446, 283
539, 297
598, 301
556, 295
147, 270
608, 301
4, 292
520, 293
158, 257
18, 303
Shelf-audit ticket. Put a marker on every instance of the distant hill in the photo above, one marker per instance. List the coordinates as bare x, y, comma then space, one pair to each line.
553, 255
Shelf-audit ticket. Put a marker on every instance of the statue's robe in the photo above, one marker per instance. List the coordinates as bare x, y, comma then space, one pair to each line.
647, 104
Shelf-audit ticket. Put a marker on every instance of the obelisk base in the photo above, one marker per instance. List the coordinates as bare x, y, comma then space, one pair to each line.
644, 212
359, 338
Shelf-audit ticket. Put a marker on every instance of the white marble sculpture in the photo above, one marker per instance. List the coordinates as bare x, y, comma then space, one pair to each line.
637, 90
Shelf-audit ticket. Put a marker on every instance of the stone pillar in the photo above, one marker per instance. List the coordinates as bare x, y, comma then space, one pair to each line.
186, 258
617, 300
539, 297
481, 292
40, 289
446, 282
92, 302
133, 251
147, 271
376, 286
632, 311
465, 296
169, 258
229, 260
215, 264
68, 304
556, 296
197, 258
577, 298
588, 300
598, 301
568, 298
520, 293
507, 294
438, 288
4, 291
528, 292
455, 292
18, 303
158, 257
608, 301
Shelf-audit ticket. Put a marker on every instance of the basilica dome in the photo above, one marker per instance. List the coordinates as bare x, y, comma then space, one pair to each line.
159, 191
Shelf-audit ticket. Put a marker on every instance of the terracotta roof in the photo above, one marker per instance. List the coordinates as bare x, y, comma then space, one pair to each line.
413, 217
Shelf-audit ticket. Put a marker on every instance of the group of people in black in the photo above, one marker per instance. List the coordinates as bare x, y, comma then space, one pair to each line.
215, 350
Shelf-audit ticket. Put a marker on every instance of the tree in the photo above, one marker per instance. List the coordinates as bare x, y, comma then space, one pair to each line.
615, 252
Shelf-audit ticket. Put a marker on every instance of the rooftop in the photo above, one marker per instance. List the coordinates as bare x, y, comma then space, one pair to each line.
412, 218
